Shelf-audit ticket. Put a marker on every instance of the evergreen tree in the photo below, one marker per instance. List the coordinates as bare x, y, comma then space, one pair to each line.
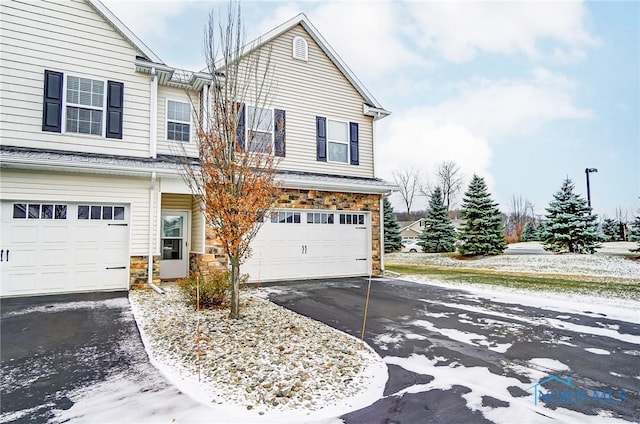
530, 232
610, 229
392, 237
634, 233
571, 225
438, 234
482, 231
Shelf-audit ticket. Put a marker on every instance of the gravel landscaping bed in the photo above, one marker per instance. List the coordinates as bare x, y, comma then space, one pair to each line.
271, 359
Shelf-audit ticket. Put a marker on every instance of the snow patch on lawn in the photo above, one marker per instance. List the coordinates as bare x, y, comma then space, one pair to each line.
565, 264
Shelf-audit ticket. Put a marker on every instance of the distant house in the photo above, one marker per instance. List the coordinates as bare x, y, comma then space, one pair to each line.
411, 230
95, 128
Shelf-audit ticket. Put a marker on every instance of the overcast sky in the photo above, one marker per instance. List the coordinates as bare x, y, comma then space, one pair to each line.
521, 93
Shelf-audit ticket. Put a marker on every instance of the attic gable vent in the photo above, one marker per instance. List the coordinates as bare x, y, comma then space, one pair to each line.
300, 49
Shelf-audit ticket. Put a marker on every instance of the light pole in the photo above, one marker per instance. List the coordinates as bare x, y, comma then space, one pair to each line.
588, 171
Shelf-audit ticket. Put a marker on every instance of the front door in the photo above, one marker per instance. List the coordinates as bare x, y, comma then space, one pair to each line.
174, 244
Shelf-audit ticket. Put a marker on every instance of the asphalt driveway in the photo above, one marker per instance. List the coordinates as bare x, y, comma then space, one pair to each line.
56, 350
458, 357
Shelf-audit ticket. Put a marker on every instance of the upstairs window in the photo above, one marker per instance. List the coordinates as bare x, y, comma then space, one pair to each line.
338, 141
178, 120
259, 129
85, 105
300, 49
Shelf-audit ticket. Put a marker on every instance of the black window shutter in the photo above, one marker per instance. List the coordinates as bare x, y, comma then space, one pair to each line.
115, 97
353, 143
52, 105
280, 141
321, 138
241, 126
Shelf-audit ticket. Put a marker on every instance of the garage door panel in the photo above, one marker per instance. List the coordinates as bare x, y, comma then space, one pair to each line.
54, 234
51, 256
24, 234
55, 280
20, 282
87, 256
21, 257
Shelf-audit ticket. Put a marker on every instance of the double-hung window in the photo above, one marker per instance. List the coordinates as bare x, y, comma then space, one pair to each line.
260, 129
84, 105
178, 120
338, 141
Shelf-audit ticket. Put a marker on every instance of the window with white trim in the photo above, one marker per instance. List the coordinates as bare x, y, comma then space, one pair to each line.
337, 141
352, 219
38, 211
85, 101
284, 217
260, 129
96, 212
178, 120
300, 49
320, 218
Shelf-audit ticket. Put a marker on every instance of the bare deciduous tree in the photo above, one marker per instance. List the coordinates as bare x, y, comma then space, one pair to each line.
407, 180
235, 177
520, 214
449, 177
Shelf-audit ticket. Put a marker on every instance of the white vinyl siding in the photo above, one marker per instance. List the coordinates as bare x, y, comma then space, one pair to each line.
172, 147
68, 37
315, 88
197, 226
55, 188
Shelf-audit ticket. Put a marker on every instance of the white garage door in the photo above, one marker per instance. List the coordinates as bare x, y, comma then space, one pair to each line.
296, 244
60, 247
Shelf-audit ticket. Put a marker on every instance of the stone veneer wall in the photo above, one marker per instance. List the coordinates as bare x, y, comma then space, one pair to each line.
139, 270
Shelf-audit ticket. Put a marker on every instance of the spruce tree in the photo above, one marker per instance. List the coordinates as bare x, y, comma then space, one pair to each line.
530, 232
571, 225
438, 234
610, 229
392, 237
482, 232
634, 233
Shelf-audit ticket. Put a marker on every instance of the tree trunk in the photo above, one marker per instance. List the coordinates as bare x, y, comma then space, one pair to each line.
235, 289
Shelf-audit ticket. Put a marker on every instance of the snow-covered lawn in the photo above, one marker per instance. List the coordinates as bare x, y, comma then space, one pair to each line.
273, 364
565, 264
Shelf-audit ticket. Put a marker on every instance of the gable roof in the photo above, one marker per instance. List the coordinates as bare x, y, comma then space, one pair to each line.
372, 106
123, 30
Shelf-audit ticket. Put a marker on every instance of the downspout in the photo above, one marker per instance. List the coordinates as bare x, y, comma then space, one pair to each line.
382, 232
152, 188
153, 115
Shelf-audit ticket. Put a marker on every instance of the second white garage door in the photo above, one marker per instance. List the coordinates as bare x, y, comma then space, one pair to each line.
296, 244
61, 247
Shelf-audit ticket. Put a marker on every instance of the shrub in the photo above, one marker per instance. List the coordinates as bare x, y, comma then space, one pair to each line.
214, 288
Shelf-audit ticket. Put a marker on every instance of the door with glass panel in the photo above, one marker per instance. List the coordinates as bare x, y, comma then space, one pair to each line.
174, 244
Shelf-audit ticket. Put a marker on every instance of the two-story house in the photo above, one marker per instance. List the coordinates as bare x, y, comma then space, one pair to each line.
93, 126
